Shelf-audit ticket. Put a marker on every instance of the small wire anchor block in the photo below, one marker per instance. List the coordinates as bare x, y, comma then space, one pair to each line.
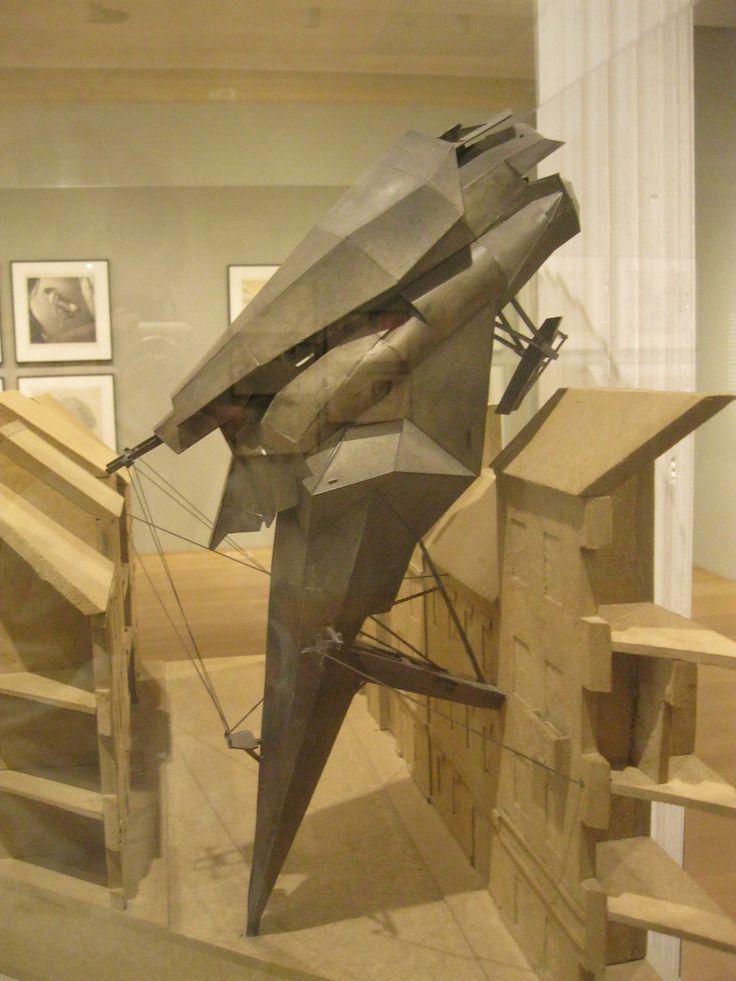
244, 739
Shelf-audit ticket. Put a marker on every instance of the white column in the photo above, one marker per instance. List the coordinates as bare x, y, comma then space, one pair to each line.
615, 81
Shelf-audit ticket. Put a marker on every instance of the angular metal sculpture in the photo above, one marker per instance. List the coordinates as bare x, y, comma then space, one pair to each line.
353, 392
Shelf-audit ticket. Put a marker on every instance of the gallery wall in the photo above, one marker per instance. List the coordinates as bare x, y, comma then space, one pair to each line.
714, 544
203, 145
171, 195
168, 250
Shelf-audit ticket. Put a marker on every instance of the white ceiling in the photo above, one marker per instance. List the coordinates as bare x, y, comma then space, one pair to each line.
480, 38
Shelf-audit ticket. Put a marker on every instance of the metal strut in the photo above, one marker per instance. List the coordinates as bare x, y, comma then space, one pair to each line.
535, 353
401, 672
128, 456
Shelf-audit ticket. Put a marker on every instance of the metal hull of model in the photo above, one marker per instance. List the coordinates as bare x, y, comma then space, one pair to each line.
353, 394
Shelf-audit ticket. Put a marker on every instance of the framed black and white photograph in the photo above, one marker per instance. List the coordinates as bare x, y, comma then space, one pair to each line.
61, 311
243, 284
90, 398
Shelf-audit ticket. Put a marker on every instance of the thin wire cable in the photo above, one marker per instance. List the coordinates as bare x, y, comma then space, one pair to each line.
249, 712
162, 604
477, 732
259, 568
144, 505
176, 495
383, 643
199, 516
246, 565
405, 599
453, 612
168, 614
176, 630
195, 512
160, 598
441, 586
207, 681
197, 660
170, 491
398, 637
427, 576
191, 541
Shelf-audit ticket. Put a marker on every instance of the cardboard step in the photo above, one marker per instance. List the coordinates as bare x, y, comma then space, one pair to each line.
37, 877
652, 631
79, 573
645, 888
78, 800
691, 784
632, 971
25, 447
48, 418
26, 684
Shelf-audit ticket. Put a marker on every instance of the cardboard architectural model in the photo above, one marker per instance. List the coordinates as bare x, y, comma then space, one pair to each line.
576, 522
66, 626
599, 719
353, 392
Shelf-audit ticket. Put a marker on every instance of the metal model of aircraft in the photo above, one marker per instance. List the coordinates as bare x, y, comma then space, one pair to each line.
353, 391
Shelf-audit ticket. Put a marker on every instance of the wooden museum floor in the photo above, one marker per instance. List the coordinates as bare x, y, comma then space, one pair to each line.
226, 604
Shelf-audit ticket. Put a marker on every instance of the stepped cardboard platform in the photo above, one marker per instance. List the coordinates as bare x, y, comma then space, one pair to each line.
690, 783
66, 619
63, 432
649, 630
38, 688
645, 888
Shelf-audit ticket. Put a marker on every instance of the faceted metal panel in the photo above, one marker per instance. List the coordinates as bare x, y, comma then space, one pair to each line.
256, 489
413, 221
420, 454
364, 452
451, 387
296, 409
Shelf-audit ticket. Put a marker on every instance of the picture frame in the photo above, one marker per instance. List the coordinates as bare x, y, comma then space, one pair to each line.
243, 282
91, 398
61, 310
